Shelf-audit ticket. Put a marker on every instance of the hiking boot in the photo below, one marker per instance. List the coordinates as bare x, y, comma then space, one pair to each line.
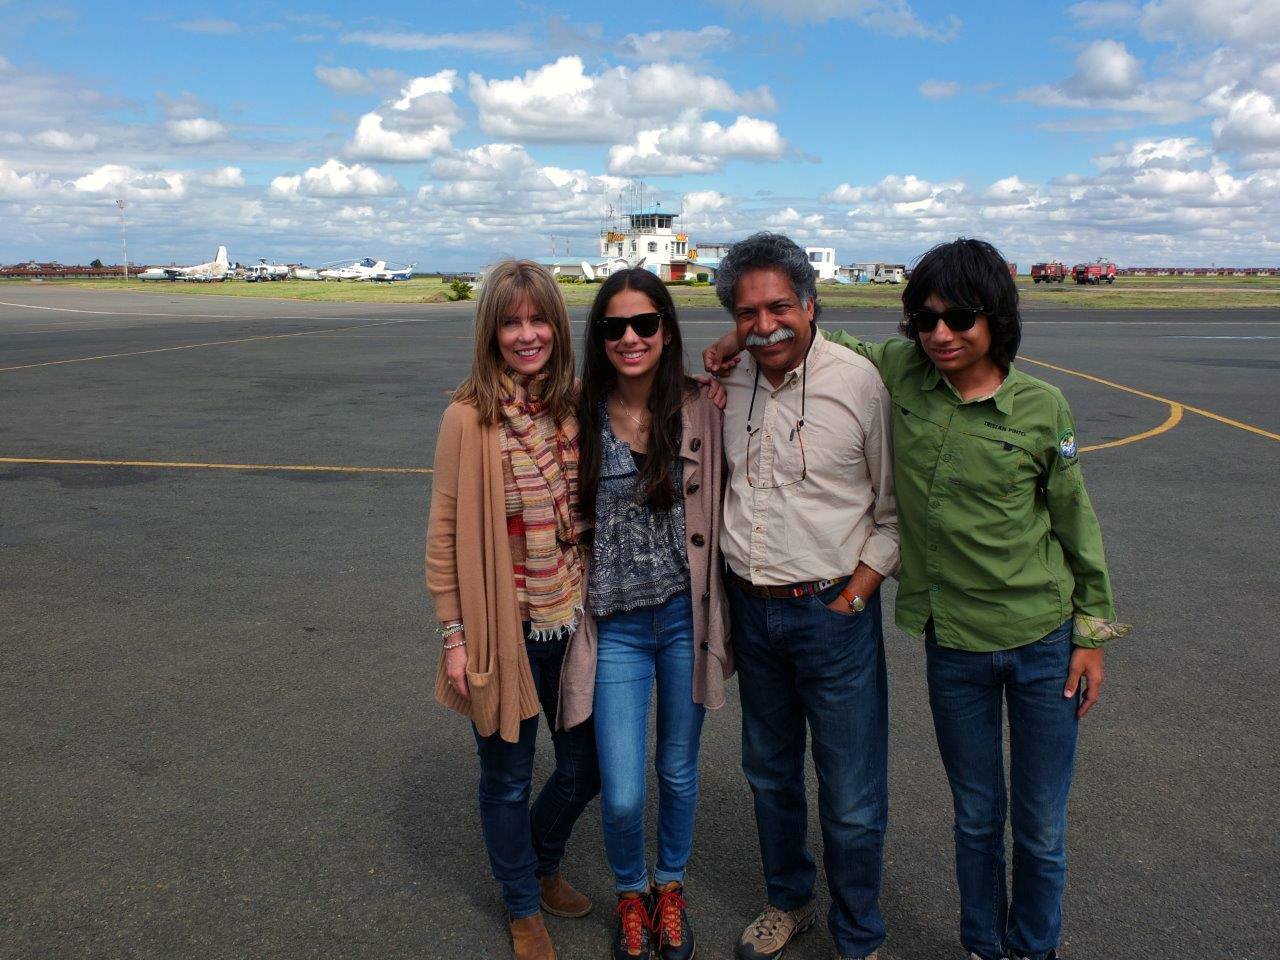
671, 926
768, 934
561, 900
530, 940
631, 937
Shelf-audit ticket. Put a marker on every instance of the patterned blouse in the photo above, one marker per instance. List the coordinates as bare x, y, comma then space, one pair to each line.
637, 557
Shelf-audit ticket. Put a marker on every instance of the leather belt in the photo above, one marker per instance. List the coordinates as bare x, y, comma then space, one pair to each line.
785, 591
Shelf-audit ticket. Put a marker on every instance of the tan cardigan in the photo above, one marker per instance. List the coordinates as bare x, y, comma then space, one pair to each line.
467, 535
470, 575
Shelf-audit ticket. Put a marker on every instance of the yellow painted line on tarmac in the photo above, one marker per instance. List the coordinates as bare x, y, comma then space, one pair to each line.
196, 346
1175, 417
1152, 396
192, 465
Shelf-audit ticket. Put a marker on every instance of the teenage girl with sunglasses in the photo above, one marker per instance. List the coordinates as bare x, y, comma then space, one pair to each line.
651, 471
1004, 576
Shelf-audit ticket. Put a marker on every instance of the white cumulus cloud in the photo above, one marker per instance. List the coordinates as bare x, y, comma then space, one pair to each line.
333, 178
196, 130
417, 125
223, 177
374, 141
117, 178
694, 145
561, 101
346, 80
1105, 68
64, 142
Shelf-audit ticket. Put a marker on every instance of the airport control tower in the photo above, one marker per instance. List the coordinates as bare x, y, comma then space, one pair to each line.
648, 238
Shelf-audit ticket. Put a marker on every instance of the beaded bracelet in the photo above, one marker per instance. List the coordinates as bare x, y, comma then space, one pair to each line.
455, 646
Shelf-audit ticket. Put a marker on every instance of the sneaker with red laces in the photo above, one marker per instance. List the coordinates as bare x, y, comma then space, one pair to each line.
631, 938
671, 922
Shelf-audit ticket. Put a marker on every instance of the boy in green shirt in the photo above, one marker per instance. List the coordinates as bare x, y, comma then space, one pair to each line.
1003, 573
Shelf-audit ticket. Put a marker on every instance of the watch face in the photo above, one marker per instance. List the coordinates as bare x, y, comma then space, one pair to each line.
858, 604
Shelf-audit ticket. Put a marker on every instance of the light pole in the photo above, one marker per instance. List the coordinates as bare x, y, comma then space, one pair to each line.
124, 245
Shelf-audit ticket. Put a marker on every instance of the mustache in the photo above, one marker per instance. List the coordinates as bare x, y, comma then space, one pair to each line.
782, 333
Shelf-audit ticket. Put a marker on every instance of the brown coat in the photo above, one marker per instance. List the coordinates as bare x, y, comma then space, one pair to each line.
467, 535
703, 452
469, 573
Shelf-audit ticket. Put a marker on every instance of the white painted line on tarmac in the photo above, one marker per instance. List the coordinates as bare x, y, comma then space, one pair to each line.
1190, 336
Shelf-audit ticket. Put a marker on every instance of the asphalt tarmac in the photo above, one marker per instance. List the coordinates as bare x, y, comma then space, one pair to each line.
215, 683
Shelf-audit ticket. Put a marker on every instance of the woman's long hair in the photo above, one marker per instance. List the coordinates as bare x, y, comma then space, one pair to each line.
671, 387
504, 284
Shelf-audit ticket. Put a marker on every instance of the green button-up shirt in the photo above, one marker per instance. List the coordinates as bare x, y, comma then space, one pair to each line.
999, 541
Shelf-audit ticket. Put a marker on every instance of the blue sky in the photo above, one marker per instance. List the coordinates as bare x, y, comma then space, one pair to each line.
448, 135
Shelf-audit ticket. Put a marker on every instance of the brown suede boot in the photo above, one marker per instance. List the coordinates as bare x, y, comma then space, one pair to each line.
561, 900
530, 940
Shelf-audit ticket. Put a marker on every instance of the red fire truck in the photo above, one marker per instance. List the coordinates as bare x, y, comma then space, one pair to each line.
1100, 271
1052, 272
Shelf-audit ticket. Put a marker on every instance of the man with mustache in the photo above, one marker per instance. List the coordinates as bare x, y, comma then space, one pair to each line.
810, 531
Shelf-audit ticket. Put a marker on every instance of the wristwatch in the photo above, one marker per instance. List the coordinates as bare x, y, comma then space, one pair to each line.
856, 603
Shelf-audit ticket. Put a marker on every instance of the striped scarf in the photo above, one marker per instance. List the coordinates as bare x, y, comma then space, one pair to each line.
544, 461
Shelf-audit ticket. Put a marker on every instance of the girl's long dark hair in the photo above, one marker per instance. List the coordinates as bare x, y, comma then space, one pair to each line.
671, 387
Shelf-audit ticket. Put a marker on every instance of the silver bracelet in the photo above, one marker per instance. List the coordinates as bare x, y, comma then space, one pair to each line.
447, 630
455, 646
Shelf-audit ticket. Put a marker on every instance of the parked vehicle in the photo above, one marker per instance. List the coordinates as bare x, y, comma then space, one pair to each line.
1055, 271
888, 274
1099, 271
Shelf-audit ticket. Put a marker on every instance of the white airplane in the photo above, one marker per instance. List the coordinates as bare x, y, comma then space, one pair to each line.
215, 269
367, 269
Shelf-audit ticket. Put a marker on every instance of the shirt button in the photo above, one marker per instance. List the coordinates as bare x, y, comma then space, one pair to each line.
705, 645
946, 457
695, 444
936, 588
698, 540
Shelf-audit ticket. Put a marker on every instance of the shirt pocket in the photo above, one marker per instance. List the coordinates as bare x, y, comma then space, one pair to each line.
998, 468
917, 439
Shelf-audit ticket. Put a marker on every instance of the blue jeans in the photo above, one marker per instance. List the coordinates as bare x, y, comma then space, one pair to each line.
525, 842
801, 664
966, 692
633, 649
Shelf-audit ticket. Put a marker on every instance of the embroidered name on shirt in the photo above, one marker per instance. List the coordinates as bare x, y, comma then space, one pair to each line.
1000, 426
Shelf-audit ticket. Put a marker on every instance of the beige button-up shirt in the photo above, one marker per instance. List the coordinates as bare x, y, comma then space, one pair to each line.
809, 504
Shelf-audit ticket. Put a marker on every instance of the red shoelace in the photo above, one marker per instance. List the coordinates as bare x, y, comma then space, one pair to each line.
634, 922
666, 917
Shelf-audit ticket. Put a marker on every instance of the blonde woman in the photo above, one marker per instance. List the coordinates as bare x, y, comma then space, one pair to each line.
508, 576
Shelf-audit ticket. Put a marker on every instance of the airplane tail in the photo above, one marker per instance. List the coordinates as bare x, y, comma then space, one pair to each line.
380, 265
221, 258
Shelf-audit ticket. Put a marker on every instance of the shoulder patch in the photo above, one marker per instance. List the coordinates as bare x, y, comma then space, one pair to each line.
1067, 444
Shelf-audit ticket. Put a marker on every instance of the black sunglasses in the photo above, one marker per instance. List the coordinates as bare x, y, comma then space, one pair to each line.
644, 324
959, 319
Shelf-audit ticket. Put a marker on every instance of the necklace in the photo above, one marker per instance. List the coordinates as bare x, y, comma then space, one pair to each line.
638, 422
